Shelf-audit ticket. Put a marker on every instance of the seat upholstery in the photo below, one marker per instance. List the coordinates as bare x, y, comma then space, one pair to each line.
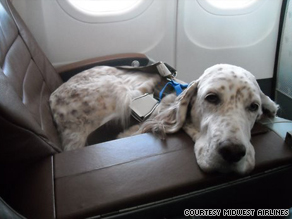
142, 169
109, 178
28, 136
27, 79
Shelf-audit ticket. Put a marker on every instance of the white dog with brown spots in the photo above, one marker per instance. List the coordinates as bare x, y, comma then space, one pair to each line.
217, 111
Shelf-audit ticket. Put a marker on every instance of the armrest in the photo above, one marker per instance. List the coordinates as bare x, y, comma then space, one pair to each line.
29, 188
139, 170
70, 70
279, 125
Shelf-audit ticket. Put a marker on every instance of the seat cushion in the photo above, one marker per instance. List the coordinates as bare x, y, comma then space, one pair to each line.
27, 79
125, 173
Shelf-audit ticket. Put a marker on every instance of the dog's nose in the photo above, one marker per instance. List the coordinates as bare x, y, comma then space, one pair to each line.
231, 152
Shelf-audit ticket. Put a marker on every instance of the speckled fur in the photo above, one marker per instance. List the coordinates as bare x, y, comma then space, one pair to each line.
98, 95
209, 124
92, 98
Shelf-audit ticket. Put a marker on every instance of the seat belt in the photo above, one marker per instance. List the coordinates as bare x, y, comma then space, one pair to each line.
143, 106
161, 68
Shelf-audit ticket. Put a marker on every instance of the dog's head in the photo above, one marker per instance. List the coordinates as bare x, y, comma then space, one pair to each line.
218, 110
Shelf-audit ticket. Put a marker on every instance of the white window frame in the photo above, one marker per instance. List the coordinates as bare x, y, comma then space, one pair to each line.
233, 9
87, 16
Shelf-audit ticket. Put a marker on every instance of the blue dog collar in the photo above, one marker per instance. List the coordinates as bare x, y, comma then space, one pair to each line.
177, 87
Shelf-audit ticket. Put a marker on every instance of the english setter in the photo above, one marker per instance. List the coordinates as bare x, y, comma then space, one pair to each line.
217, 111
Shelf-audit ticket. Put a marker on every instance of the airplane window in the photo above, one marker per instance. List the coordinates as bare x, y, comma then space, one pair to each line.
230, 7
104, 6
102, 11
230, 3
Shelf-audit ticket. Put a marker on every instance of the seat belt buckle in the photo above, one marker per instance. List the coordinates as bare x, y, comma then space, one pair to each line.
143, 106
165, 70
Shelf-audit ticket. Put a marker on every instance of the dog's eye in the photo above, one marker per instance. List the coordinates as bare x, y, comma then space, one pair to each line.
253, 107
212, 98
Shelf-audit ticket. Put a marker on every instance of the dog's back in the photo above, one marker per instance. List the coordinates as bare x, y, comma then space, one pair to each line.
94, 97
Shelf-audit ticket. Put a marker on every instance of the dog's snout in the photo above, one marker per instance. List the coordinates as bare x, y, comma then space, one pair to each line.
231, 152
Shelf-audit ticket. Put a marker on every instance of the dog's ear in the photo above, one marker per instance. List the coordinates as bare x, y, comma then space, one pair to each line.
171, 113
269, 107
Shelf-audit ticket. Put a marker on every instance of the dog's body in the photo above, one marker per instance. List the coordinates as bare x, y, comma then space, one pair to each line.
218, 111
94, 97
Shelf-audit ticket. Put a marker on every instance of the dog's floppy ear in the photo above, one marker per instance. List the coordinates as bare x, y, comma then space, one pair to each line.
269, 107
171, 113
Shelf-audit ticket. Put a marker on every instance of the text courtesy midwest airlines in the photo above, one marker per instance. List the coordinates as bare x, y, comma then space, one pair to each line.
236, 212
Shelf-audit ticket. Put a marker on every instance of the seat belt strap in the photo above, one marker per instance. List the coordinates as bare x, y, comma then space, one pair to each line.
143, 106
163, 69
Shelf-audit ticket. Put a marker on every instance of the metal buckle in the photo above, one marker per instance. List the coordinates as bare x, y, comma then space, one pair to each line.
166, 70
143, 106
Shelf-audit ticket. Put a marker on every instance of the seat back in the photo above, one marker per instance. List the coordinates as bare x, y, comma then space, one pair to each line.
27, 79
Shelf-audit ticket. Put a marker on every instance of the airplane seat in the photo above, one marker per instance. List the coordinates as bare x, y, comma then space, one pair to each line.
136, 177
27, 80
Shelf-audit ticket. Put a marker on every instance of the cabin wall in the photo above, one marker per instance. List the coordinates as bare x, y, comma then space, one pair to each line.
284, 76
190, 35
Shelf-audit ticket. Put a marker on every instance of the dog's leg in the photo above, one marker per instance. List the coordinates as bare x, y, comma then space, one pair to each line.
73, 140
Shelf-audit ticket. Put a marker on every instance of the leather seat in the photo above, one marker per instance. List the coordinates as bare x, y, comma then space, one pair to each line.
27, 78
40, 181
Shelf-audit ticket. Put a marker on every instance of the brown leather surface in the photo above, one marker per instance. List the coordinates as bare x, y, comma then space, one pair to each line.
141, 169
97, 179
69, 70
26, 81
31, 193
22, 139
28, 134
281, 128
99, 61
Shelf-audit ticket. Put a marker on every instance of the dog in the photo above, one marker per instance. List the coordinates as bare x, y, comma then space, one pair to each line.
217, 111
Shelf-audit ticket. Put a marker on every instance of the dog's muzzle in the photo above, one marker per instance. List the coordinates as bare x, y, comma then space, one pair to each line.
231, 152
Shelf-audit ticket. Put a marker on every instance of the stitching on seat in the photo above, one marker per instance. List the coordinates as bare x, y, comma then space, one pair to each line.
26, 68
39, 136
1, 29
8, 48
6, 41
24, 41
118, 164
26, 44
25, 75
40, 105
